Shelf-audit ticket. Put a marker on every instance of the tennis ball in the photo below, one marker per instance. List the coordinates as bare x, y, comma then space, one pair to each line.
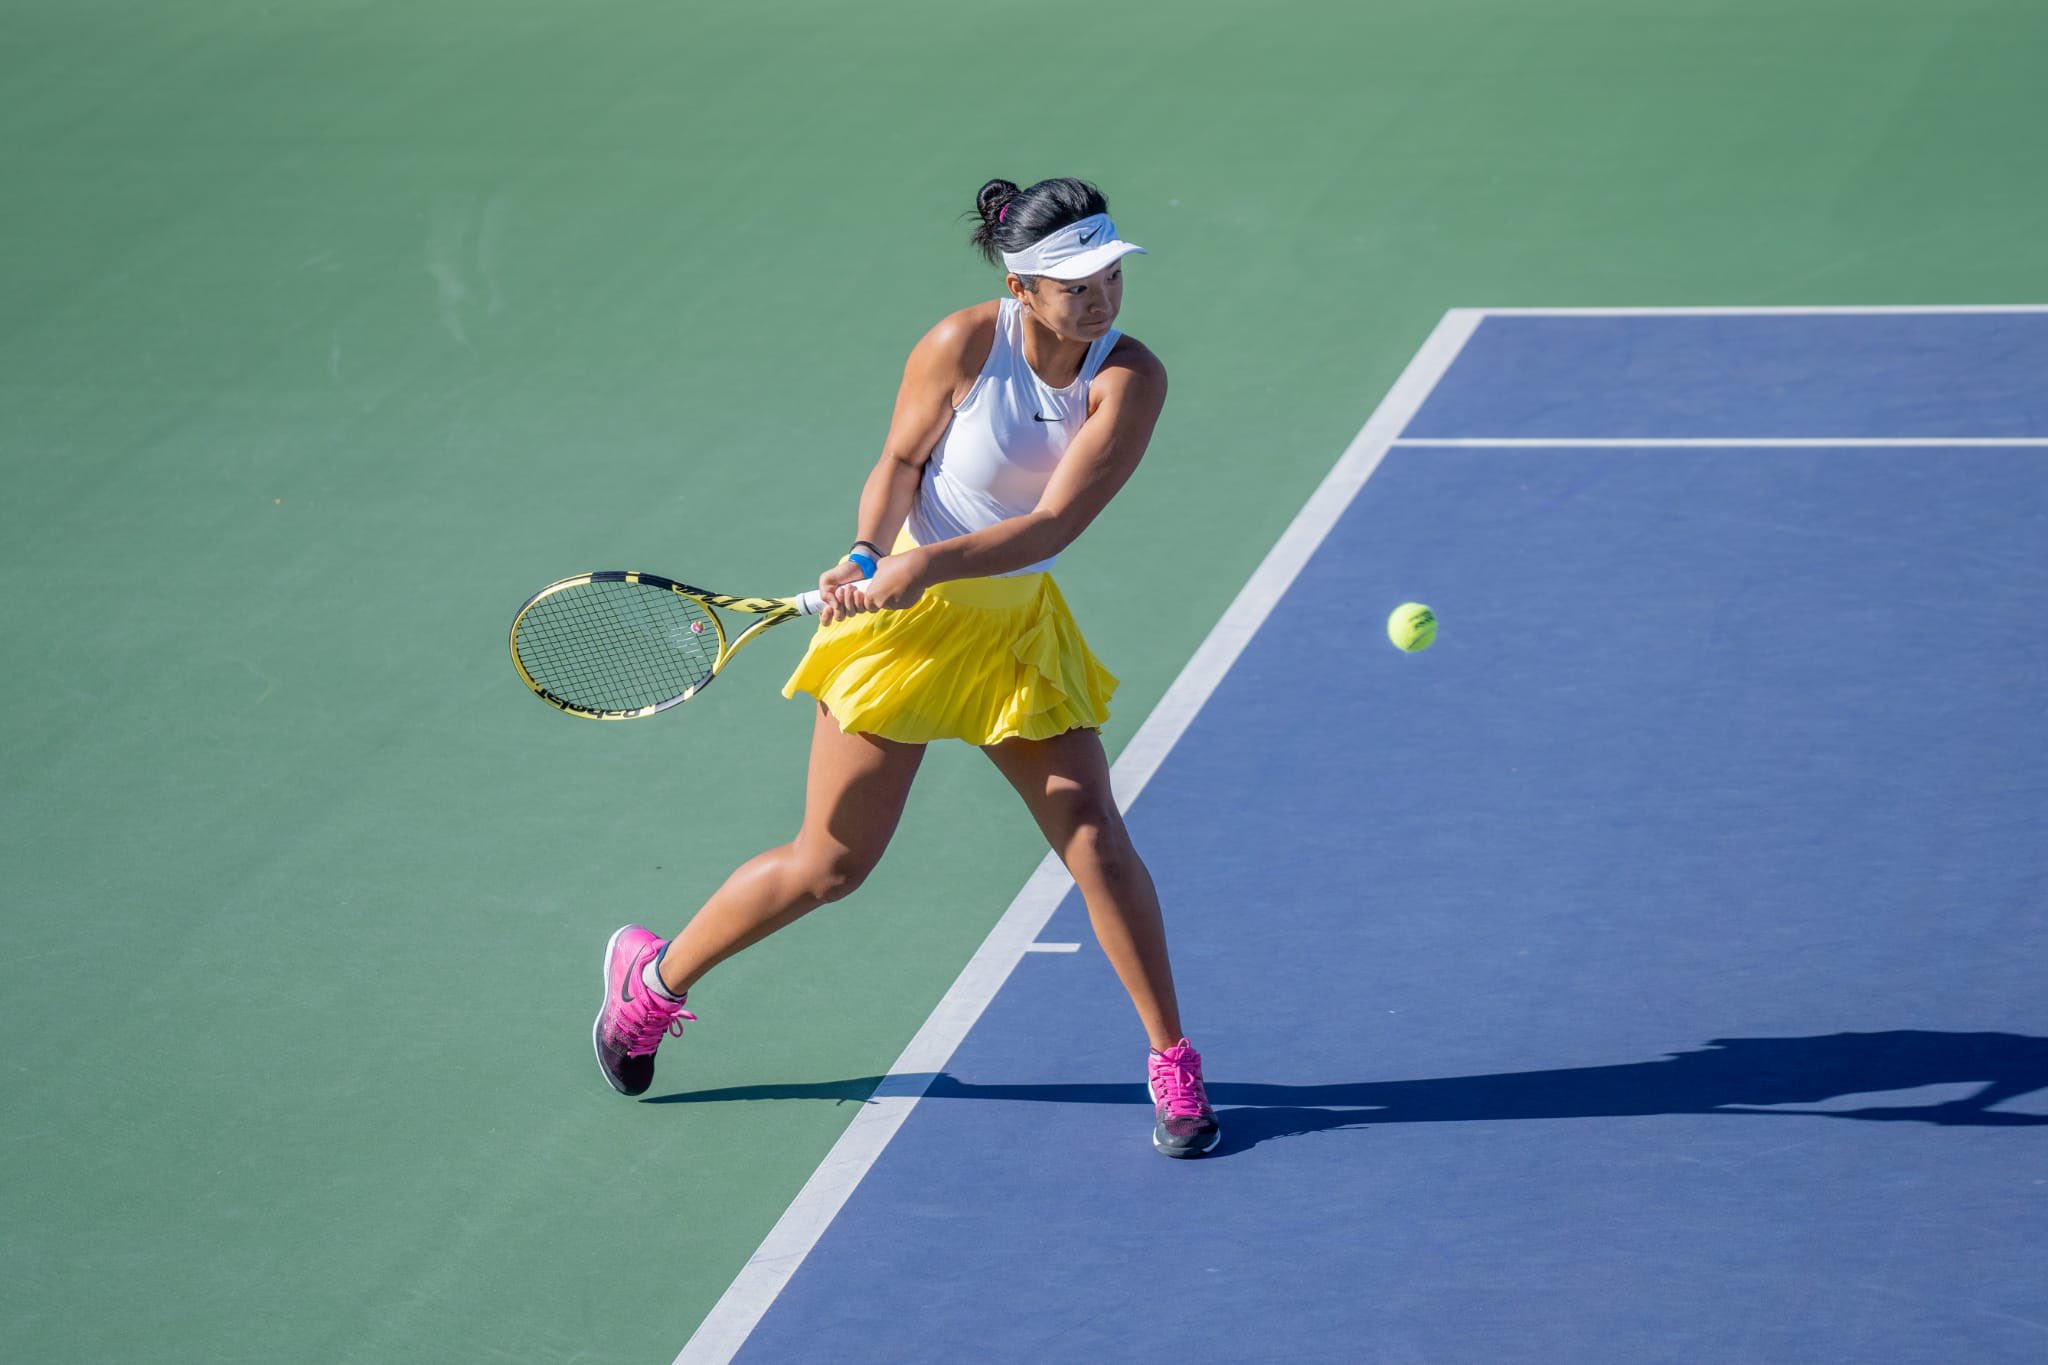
1412, 626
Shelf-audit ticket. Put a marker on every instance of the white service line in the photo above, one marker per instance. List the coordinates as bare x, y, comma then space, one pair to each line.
1052, 947
1719, 443
733, 1318
1774, 311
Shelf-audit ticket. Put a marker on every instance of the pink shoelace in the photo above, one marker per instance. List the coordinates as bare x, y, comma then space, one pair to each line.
1177, 1079
658, 1018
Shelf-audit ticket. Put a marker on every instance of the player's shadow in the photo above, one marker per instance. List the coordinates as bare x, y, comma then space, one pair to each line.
1749, 1076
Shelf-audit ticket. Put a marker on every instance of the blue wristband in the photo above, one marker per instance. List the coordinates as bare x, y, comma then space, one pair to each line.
866, 561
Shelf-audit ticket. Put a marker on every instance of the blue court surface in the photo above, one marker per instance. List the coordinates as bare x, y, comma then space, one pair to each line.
1651, 971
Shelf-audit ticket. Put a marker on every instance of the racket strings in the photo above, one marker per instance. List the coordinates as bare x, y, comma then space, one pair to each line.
614, 646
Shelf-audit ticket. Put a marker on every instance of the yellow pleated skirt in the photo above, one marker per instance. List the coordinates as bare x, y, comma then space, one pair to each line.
979, 659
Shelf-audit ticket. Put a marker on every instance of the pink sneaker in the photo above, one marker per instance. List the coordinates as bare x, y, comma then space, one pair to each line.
634, 1018
1186, 1124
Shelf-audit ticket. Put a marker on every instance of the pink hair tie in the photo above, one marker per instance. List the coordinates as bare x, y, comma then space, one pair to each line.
1002, 213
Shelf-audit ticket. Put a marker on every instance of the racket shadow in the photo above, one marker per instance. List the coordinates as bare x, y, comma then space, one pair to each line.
1739, 1076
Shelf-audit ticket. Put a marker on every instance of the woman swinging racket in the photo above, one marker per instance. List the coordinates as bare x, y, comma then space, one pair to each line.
1017, 421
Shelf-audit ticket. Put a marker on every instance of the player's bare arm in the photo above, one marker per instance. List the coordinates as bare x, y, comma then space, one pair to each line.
939, 373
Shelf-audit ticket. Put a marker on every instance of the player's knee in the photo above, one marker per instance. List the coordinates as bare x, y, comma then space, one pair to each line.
1100, 842
837, 874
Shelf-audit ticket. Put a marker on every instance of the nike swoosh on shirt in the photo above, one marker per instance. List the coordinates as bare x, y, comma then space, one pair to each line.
1041, 417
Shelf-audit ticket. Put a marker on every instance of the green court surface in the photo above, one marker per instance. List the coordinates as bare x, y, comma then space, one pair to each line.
329, 330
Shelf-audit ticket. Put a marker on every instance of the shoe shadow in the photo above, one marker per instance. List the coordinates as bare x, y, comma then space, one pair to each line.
859, 1089
1747, 1076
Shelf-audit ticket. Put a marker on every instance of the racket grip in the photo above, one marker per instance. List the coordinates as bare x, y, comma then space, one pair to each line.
812, 602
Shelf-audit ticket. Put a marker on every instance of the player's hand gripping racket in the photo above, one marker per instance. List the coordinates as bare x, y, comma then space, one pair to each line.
620, 645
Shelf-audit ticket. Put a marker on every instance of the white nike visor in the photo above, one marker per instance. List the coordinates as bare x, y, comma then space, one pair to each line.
1075, 252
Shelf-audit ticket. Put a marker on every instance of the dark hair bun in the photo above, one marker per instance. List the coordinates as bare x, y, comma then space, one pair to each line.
1012, 219
992, 198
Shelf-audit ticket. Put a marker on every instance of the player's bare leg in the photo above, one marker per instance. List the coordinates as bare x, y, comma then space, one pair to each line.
1065, 782
853, 799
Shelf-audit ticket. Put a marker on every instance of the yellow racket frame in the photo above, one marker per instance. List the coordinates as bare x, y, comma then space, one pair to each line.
773, 611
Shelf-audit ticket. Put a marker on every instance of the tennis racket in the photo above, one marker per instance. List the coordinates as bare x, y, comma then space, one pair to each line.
620, 645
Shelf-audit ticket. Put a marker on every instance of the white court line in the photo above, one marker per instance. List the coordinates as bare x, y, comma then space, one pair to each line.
733, 1318
1718, 443
1845, 310
1052, 947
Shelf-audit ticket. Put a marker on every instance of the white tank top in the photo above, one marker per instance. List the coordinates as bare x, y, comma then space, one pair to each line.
1005, 440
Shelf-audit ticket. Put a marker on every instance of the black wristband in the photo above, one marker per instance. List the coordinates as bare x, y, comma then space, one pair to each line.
870, 545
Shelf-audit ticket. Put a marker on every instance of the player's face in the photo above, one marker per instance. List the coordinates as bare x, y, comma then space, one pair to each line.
1079, 310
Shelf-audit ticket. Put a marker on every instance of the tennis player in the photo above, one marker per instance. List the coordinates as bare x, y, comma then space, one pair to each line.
1016, 422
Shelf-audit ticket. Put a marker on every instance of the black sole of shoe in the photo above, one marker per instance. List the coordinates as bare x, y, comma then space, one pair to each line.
1187, 1154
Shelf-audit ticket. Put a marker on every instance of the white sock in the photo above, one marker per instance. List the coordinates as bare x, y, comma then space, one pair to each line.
650, 977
